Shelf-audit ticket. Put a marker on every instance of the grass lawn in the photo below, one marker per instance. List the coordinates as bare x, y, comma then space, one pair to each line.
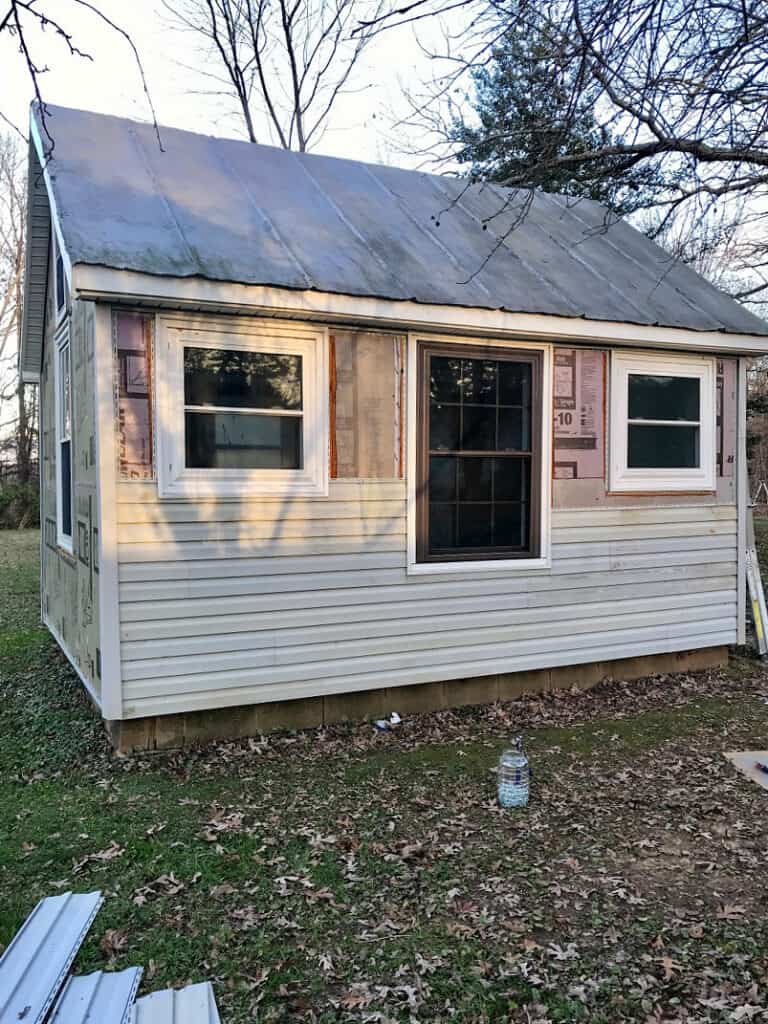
355, 876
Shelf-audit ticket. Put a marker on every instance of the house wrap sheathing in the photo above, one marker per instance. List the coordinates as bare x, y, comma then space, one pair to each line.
319, 438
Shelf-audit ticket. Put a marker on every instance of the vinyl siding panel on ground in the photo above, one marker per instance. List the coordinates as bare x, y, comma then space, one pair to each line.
226, 603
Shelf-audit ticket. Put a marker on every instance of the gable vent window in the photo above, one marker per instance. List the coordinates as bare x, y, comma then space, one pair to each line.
63, 413
479, 454
60, 282
242, 411
662, 423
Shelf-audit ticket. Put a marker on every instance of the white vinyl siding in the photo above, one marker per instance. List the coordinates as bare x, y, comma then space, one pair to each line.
225, 603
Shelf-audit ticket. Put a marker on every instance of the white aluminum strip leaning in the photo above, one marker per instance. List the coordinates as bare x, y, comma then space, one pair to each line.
194, 1004
33, 968
98, 998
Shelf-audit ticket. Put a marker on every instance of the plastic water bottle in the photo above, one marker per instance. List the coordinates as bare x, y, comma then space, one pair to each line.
514, 776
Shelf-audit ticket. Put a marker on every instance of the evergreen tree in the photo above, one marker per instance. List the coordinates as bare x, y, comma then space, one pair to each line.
527, 118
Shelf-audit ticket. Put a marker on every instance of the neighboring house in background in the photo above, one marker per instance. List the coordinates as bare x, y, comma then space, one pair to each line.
322, 439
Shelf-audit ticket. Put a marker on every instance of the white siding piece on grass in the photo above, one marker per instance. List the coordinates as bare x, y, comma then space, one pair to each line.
35, 964
98, 998
194, 1004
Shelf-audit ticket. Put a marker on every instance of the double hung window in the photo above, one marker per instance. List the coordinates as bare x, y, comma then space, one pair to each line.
63, 413
242, 413
479, 453
662, 423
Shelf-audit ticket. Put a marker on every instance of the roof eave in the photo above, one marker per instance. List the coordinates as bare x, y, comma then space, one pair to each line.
37, 235
98, 283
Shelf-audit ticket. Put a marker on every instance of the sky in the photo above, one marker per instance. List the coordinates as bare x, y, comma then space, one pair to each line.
361, 125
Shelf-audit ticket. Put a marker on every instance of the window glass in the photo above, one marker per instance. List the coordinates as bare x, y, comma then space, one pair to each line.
262, 393
64, 435
227, 440
662, 447
673, 445
234, 378
66, 392
652, 397
66, 488
479, 456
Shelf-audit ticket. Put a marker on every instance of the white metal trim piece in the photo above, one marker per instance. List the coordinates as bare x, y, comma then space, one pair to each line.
194, 1004
33, 968
34, 133
742, 500
106, 517
98, 998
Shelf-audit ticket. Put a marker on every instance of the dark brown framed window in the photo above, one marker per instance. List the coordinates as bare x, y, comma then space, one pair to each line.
478, 464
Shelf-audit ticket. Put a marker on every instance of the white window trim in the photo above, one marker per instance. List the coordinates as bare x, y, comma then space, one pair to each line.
624, 480
62, 341
496, 565
174, 480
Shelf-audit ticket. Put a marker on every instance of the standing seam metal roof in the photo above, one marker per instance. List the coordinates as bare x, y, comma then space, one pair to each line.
233, 211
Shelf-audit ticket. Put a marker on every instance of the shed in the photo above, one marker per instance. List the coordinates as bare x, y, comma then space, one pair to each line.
322, 439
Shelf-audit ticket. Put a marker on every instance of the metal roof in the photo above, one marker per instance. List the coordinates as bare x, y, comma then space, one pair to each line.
233, 211
194, 1004
35, 964
98, 998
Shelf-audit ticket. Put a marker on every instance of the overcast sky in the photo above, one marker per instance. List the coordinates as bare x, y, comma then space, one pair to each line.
361, 125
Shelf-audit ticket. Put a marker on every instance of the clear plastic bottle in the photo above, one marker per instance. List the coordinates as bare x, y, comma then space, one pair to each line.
514, 777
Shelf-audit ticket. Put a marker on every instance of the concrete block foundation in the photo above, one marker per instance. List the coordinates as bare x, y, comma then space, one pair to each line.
172, 732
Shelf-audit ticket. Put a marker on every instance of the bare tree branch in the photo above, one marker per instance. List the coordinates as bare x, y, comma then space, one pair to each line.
22, 15
286, 61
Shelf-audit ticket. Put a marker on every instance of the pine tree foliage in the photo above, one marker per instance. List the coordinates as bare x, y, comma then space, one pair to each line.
528, 114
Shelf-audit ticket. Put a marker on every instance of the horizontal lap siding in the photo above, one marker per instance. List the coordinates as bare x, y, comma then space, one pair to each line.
234, 602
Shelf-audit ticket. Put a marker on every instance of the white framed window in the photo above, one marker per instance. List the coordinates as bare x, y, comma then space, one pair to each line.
662, 423
63, 415
241, 410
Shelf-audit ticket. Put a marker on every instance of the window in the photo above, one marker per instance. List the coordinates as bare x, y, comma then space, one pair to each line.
241, 413
662, 423
60, 289
63, 413
478, 490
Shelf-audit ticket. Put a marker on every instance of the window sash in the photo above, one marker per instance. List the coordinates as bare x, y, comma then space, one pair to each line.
175, 478
532, 455
664, 479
